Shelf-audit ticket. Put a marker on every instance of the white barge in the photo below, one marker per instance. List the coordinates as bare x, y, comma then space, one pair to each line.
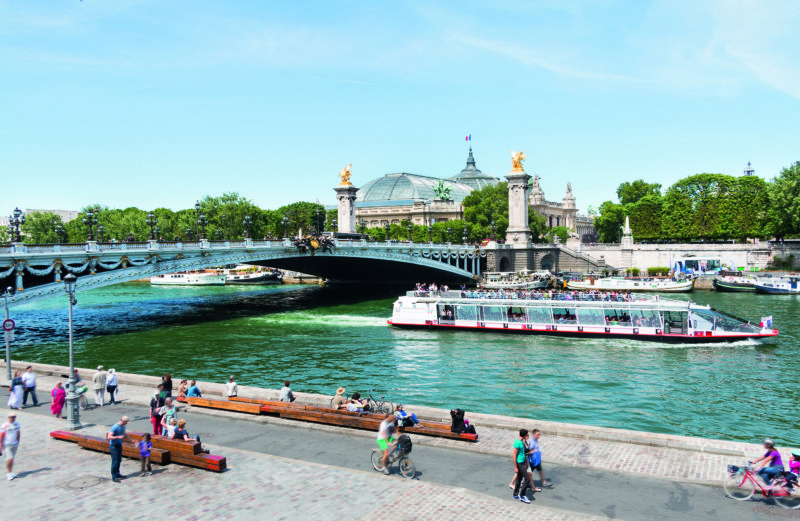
641, 317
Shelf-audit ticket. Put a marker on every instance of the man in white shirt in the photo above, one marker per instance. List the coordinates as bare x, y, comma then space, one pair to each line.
286, 393
10, 435
231, 388
29, 387
99, 385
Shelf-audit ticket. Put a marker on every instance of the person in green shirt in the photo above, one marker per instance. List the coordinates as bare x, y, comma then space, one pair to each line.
519, 453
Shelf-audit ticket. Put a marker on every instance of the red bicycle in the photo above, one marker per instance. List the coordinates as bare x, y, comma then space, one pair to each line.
742, 482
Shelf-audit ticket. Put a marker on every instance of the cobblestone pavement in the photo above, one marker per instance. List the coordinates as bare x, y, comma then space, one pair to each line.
57, 480
675, 458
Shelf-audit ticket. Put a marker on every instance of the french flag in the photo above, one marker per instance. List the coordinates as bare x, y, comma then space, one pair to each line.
468, 138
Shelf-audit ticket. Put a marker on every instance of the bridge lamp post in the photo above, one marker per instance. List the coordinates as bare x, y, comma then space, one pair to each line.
334, 227
189, 233
410, 229
363, 228
466, 234
387, 227
218, 234
285, 222
202, 222
318, 222
7, 294
90, 220
492, 236
430, 233
101, 232
60, 233
448, 235
73, 414
15, 220
224, 228
247, 222
151, 221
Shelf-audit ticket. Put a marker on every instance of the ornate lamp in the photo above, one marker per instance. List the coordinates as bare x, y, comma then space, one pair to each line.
60, 233
466, 234
410, 229
387, 227
285, 222
202, 222
15, 220
73, 413
151, 221
334, 227
90, 220
363, 227
101, 231
448, 235
247, 221
492, 236
430, 233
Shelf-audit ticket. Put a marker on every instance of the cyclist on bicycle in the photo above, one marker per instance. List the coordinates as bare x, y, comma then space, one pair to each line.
386, 438
771, 463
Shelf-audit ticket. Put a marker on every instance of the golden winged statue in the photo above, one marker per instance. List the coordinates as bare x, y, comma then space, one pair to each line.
345, 175
516, 161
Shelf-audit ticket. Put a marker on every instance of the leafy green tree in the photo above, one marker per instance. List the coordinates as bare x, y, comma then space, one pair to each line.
632, 192
5, 235
646, 216
697, 207
302, 215
40, 228
490, 204
562, 232
610, 221
784, 211
747, 205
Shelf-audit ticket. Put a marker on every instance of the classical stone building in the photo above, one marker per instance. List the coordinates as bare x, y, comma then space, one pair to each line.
397, 197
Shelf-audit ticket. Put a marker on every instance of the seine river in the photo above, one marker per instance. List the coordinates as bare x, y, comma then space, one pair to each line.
324, 337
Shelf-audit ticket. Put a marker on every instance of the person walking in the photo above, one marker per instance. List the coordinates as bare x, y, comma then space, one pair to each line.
111, 385
286, 393
535, 450
145, 445
522, 482
15, 392
29, 387
231, 388
115, 437
167, 413
167, 381
99, 385
10, 436
57, 398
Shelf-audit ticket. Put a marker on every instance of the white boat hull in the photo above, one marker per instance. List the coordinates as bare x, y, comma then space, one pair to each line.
632, 285
188, 279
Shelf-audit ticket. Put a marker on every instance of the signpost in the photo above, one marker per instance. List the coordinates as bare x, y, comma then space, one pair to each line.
8, 327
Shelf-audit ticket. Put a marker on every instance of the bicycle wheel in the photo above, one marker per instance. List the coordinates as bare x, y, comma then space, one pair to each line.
376, 458
787, 498
407, 468
739, 487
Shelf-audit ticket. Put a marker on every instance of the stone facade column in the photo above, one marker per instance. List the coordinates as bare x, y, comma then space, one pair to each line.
519, 231
346, 196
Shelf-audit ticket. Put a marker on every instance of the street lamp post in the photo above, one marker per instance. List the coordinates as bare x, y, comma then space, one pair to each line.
60, 233
410, 229
430, 233
388, 228
492, 236
363, 228
73, 414
448, 235
285, 222
15, 220
247, 222
202, 222
334, 226
90, 220
224, 228
7, 294
151, 221
466, 234
101, 232
188, 233
318, 222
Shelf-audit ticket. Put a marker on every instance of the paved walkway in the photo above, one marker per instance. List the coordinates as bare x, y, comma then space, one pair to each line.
57, 480
676, 458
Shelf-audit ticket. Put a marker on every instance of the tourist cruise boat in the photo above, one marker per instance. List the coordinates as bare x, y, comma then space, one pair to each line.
789, 285
245, 274
191, 278
640, 317
622, 284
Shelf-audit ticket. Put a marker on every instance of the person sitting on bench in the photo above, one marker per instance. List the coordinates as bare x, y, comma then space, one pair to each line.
194, 391
356, 404
182, 434
403, 418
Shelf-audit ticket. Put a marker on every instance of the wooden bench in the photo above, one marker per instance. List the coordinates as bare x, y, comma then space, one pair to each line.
192, 448
129, 450
211, 462
249, 408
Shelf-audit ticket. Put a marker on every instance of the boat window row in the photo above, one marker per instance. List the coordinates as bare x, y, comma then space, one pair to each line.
555, 315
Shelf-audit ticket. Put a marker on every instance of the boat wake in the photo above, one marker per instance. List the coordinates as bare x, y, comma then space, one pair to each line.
328, 320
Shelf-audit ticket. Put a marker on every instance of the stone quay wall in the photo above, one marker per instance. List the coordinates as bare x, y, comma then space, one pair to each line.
645, 256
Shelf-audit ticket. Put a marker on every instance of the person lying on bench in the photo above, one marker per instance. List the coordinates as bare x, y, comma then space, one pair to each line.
182, 434
356, 404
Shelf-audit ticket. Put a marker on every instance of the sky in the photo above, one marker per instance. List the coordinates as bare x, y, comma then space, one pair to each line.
156, 104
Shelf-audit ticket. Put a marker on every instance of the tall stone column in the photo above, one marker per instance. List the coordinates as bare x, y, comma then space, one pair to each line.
346, 197
519, 231
626, 245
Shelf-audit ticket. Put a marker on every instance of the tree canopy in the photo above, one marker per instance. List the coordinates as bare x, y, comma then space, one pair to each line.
634, 191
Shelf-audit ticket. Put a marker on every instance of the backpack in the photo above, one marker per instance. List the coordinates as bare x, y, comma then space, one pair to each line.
405, 443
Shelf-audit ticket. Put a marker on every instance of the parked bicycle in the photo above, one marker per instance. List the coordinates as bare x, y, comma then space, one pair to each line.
742, 482
377, 406
399, 454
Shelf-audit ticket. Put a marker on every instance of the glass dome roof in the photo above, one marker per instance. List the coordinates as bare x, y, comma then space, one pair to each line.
407, 187
473, 177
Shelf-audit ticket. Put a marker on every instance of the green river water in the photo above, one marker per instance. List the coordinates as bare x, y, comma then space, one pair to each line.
324, 337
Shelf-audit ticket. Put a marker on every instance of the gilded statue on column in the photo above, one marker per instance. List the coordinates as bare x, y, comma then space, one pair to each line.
344, 175
516, 161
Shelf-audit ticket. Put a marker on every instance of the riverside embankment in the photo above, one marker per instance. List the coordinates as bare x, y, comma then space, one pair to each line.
677, 458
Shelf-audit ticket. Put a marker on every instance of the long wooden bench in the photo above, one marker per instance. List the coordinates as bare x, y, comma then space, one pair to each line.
249, 408
165, 450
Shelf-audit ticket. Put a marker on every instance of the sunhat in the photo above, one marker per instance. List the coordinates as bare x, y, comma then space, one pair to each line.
110, 371
12, 414
340, 390
99, 367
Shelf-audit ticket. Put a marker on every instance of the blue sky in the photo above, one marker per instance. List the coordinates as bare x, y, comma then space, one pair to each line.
153, 103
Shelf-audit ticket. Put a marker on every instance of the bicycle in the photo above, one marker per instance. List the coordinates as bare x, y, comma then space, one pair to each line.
373, 405
399, 455
741, 484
